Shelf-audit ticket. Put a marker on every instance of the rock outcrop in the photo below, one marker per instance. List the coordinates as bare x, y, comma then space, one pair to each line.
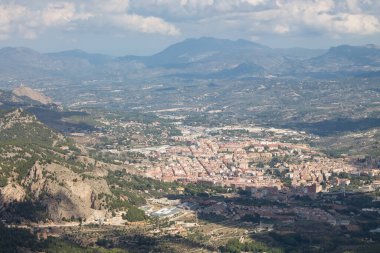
17, 116
12, 193
24, 91
38, 168
67, 194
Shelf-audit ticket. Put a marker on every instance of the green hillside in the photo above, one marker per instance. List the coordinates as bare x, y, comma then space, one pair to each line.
24, 140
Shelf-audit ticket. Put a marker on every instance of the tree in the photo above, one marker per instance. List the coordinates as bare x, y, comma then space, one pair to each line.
134, 214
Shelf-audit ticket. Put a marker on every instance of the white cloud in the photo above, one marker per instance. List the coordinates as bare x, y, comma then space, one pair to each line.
116, 11
255, 2
145, 24
9, 14
277, 16
28, 19
356, 24
60, 14
28, 23
281, 29
325, 16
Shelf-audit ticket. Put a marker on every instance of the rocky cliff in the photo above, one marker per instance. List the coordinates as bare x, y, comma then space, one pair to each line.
41, 166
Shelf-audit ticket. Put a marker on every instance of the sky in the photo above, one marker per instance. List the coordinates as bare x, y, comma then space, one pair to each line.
144, 27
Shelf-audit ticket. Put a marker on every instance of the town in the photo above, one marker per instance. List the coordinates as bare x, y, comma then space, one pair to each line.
270, 163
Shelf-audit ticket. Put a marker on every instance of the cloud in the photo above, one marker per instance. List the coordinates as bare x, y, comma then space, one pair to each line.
114, 6
243, 18
270, 16
28, 20
193, 3
116, 13
28, 23
179, 10
327, 16
145, 24
356, 24
8, 15
58, 14
255, 2
281, 29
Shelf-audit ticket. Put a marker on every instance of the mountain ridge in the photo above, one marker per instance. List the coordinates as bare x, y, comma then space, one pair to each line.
203, 57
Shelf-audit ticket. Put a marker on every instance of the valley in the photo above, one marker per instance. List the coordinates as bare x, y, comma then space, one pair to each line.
209, 146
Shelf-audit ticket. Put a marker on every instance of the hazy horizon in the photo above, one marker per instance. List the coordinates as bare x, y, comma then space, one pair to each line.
166, 46
154, 52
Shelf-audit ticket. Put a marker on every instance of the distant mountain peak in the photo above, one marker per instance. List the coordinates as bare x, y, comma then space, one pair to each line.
220, 42
197, 50
72, 52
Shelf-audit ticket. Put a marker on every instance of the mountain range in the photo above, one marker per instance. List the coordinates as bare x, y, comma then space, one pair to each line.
208, 58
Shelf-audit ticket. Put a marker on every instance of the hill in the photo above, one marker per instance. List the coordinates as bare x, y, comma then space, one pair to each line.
42, 107
25, 64
9, 99
39, 169
208, 56
45, 176
346, 59
24, 91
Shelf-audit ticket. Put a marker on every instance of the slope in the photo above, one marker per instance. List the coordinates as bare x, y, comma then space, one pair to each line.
41, 169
